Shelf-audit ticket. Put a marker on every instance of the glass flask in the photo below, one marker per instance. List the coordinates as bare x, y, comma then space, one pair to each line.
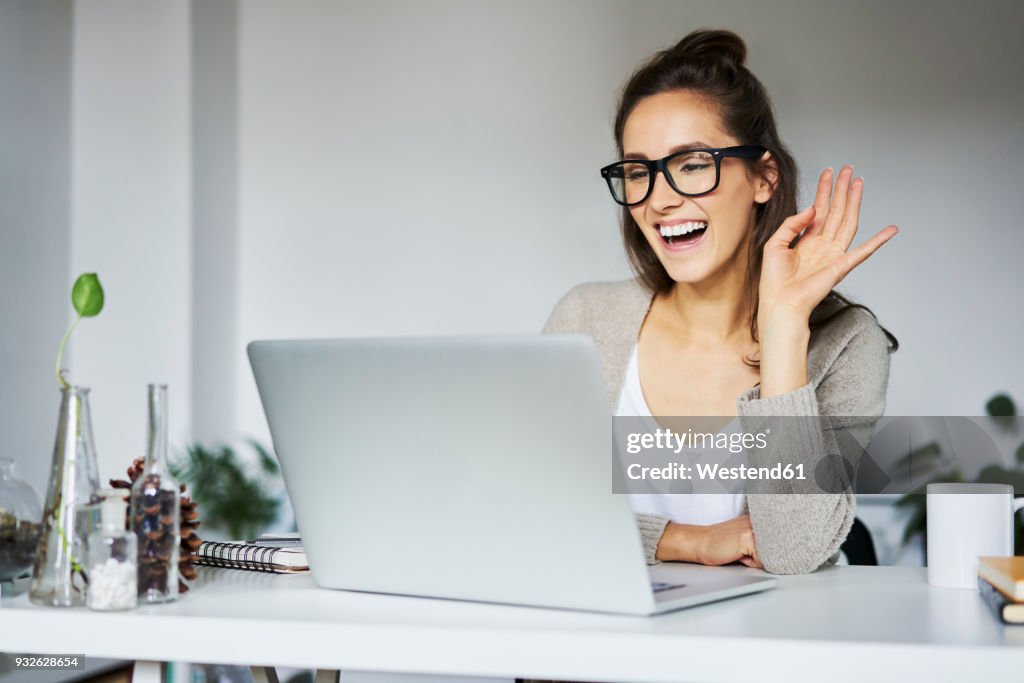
58, 577
156, 510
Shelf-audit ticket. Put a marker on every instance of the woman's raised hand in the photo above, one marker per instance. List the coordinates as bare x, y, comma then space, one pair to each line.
795, 280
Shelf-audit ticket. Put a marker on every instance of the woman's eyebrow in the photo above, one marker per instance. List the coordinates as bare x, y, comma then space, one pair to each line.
677, 148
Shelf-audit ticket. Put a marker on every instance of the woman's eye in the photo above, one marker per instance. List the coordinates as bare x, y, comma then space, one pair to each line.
694, 168
636, 175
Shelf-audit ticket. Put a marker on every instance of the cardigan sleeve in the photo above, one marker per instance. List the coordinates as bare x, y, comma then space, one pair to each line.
797, 531
567, 316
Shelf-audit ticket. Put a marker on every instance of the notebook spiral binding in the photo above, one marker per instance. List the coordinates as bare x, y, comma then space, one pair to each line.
236, 556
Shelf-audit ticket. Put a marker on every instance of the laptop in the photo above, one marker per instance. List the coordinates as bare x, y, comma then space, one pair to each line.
465, 468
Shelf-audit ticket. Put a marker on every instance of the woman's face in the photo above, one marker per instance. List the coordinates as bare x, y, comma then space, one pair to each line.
663, 124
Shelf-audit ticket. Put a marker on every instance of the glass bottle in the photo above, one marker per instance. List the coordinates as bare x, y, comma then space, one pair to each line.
58, 578
20, 514
156, 510
112, 554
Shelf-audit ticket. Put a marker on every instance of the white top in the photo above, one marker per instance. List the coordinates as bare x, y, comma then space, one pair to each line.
683, 508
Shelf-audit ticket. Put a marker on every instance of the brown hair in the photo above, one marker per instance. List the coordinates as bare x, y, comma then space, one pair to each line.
710, 64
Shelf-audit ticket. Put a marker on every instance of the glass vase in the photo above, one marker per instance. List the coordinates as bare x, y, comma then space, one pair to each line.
58, 576
156, 510
20, 514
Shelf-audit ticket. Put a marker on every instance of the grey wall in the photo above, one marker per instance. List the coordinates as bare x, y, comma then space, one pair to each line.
35, 186
925, 99
418, 168
320, 168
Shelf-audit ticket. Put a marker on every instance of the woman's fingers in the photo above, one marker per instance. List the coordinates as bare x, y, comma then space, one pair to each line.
848, 227
861, 253
751, 559
821, 201
837, 209
791, 228
827, 276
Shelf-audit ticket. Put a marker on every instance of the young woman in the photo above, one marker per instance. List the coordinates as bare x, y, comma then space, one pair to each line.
732, 312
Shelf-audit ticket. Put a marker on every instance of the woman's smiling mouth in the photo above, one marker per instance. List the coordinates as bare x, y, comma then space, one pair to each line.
682, 235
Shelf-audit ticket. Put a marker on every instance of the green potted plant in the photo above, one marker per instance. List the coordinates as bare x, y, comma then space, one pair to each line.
232, 498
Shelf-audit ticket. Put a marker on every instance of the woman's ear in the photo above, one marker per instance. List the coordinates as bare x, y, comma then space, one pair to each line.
766, 179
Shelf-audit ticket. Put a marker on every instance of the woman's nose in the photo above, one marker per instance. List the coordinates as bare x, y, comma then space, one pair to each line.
663, 197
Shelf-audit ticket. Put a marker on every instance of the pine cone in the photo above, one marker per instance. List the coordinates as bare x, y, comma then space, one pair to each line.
189, 523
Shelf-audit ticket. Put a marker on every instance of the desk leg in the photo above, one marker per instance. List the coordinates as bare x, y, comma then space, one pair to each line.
327, 676
148, 672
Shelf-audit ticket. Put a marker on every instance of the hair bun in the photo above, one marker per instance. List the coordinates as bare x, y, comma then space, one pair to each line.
719, 47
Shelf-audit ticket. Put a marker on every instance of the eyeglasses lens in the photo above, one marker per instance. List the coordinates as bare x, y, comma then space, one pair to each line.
692, 173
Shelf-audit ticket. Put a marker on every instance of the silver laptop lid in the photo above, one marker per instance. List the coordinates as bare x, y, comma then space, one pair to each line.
466, 468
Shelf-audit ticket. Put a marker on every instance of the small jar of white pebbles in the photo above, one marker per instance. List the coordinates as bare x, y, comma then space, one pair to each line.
113, 557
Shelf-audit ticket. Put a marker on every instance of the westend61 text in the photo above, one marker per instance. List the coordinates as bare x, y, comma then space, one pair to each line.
713, 472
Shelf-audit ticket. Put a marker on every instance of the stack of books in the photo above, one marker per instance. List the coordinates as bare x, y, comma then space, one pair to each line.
1001, 581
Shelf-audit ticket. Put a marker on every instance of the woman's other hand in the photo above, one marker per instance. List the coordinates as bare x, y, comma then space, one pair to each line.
714, 544
795, 280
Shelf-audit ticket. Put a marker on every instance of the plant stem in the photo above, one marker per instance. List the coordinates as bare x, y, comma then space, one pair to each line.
61, 527
60, 354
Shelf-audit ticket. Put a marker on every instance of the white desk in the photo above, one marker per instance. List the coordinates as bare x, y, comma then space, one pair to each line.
843, 623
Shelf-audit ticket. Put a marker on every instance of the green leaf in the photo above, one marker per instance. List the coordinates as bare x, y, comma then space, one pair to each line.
267, 461
87, 295
1001, 405
994, 474
917, 523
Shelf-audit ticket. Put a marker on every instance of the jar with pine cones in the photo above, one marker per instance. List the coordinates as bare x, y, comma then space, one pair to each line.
190, 540
156, 509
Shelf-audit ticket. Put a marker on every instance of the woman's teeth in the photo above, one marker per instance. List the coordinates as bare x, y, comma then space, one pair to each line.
690, 231
682, 228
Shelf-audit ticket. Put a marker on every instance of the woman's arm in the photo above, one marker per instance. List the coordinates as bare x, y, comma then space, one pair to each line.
711, 544
797, 528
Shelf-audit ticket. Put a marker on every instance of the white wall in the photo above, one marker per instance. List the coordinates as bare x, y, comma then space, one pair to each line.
424, 168
131, 215
35, 190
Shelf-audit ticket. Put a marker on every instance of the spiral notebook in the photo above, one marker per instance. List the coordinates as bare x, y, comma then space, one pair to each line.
286, 559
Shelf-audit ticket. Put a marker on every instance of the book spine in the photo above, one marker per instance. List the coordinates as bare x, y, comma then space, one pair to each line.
236, 556
996, 600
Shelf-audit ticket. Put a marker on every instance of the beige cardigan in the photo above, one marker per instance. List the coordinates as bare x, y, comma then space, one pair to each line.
848, 367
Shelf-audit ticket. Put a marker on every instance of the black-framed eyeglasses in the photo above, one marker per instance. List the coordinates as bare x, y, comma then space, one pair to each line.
691, 172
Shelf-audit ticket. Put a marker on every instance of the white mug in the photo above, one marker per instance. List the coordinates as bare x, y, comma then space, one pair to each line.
966, 521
